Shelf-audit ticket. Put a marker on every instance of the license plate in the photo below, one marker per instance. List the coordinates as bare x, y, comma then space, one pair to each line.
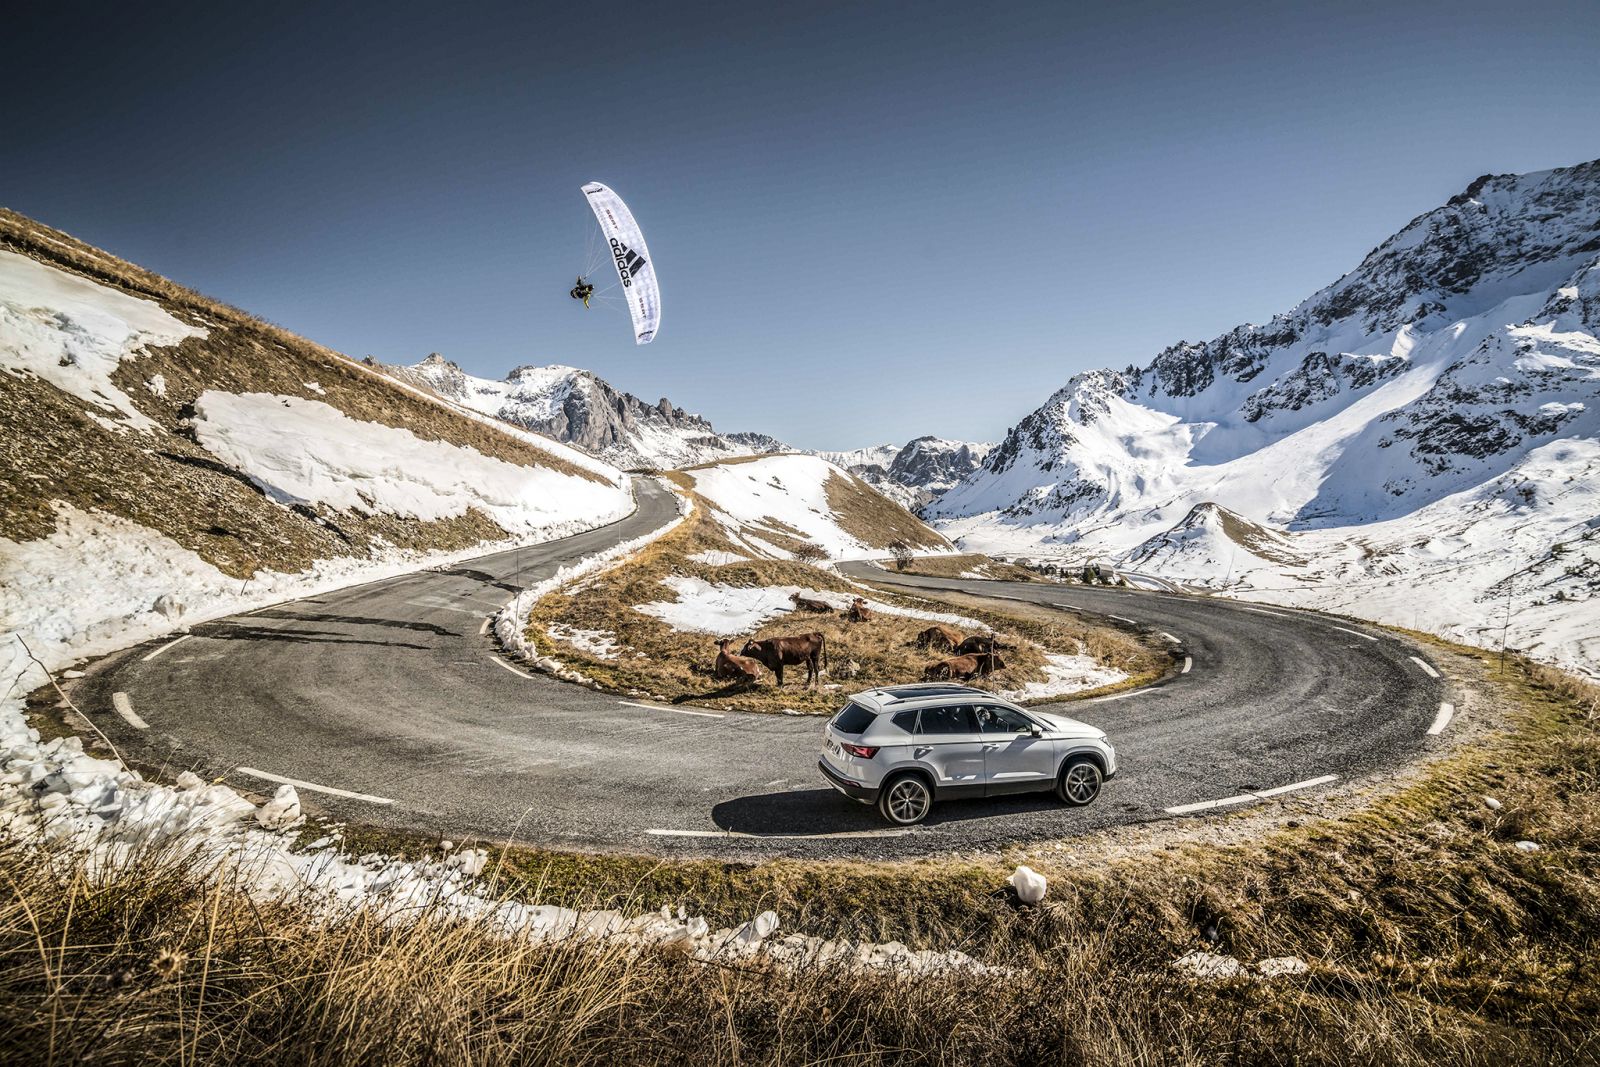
833, 746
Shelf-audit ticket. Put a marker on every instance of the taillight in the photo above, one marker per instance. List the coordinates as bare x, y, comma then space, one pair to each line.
859, 750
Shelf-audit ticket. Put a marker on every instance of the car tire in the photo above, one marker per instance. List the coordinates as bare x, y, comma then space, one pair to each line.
1079, 782
906, 800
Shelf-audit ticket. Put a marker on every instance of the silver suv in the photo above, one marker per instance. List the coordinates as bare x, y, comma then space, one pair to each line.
904, 746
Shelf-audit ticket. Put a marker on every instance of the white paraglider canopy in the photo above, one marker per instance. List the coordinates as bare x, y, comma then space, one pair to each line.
626, 248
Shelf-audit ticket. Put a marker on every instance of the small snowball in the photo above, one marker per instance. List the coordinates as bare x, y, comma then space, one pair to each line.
1493, 804
1528, 846
1029, 884
282, 811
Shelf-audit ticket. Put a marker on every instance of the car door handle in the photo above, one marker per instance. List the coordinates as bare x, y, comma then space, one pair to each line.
921, 751
990, 748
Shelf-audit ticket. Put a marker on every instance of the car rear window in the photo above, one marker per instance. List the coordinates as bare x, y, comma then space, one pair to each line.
852, 719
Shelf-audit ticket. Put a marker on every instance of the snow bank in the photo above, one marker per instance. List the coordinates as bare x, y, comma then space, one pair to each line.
710, 608
303, 451
1066, 674
73, 332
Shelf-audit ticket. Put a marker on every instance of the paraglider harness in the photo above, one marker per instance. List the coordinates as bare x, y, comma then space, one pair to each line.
582, 291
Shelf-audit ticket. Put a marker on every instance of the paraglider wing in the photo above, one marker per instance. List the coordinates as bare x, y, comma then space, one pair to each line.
631, 258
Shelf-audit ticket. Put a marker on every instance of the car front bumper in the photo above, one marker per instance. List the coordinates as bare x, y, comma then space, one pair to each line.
852, 789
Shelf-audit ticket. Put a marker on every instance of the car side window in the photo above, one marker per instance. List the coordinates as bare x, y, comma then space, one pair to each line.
993, 719
906, 720
954, 719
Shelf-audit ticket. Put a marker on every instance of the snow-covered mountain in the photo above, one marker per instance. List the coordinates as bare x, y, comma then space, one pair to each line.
914, 474
1429, 418
581, 409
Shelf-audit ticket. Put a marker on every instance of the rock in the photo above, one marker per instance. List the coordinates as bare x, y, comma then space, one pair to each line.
1209, 965
282, 811
1278, 966
1029, 884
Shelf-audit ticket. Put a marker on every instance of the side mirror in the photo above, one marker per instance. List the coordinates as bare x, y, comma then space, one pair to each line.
1036, 730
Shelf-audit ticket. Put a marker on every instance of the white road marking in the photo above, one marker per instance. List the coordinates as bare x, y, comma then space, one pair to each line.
124, 708
163, 648
1113, 696
434, 602
1264, 611
675, 711
778, 837
313, 786
1356, 633
1427, 668
1441, 720
509, 667
1169, 637
1119, 618
485, 627
1188, 661
1245, 798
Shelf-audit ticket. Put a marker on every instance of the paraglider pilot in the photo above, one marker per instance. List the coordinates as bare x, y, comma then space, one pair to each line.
582, 291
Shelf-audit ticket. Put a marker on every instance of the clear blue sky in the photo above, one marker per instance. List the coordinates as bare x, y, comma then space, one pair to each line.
870, 221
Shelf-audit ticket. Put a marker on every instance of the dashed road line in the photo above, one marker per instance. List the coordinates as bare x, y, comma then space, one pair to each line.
485, 627
163, 648
1113, 696
1441, 720
779, 837
1356, 633
1188, 661
1427, 668
1169, 637
675, 711
313, 786
1119, 618
1245, 798
124, 707
509, 667
1264, 611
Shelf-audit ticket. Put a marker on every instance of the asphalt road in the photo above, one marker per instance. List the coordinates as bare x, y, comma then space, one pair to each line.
393, 692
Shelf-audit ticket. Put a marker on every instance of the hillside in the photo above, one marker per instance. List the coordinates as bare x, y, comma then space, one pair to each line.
1430, 417
581, 409
778, 506
168, 448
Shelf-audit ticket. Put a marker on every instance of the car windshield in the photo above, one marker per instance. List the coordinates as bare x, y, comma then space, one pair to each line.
852, 719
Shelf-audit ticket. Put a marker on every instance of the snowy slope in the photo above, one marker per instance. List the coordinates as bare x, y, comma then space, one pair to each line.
577, 407
1457, 362
167, 463
772, 503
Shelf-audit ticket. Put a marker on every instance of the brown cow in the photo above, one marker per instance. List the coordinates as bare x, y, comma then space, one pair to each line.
859, 612
734, 666
776, 653
806, 604
939, 637
964, 668
978, 644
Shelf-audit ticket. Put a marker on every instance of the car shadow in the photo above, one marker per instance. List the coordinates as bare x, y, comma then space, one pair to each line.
484, 577
825, 811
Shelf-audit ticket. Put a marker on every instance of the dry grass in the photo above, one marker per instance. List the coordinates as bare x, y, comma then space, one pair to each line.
167, 482
672, 665
962, 566
1431, 939
873, 519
